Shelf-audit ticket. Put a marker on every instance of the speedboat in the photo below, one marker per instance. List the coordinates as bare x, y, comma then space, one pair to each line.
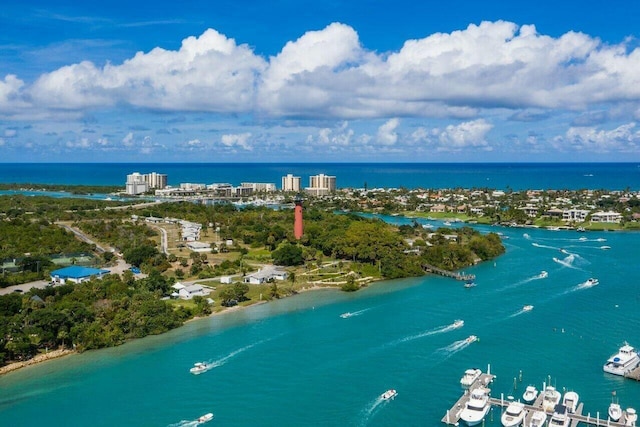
550, 398
543, 274
205, 418
514, 415
476, 407
605, 247
527, 308
530, 394
625, 360
538, 418
198, 368
631, 418
458, 324
470, 284
470, 376
471, 338
560, 417
389, 394
615, 411
570, 401
592, 281
345, 315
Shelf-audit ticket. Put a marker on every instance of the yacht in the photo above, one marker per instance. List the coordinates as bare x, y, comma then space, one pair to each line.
198, 368
570, 401
389, 394
592, 281
530, 394
631, 418
538, 418
469, 377
476, 407
615, 411
625, 360
458, 324
560, 417
527, 308
471, 338
551, 397
543, 274
346, 315
514, 415
205, 418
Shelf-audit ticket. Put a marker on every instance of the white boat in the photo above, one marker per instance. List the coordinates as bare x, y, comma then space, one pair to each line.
476, 407
389, 394
581, 229
592, 281
205, 418
543, 274
530, 394
605, 247
198, 368
458, 324
469, 377
625, 360
514, 415
551, 397
471, 338
570, 401
631, 417
527, 308
614, 411
470, 284
446, 223
560, 417
345, 315
538, 418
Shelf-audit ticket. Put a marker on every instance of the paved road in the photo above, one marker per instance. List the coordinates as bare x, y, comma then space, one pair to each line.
80, 235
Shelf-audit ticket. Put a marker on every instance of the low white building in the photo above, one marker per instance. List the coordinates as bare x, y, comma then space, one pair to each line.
266, 274
188, 292
574, 215
199, 246
611, 217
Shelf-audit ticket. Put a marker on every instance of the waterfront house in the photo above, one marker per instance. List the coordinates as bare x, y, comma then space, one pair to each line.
76, 274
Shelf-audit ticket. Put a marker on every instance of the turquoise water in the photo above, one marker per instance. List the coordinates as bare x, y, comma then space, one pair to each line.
296, 362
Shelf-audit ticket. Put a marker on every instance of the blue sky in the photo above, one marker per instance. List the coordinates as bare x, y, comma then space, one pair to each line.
330, 81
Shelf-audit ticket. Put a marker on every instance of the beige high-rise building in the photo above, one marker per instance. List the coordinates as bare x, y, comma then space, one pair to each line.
136, 184
156, 180
321, 185
291, 183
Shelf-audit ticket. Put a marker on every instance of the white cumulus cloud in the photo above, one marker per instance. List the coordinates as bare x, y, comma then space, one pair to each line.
387, 134
237, 140
464, 135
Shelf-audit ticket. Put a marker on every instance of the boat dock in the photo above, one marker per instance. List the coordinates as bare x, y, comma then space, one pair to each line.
446, 273
452, 417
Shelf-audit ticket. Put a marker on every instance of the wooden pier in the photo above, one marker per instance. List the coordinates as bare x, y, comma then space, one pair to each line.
446, 273
452, 417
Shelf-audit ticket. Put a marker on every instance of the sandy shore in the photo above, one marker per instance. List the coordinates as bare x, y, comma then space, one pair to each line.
43, 357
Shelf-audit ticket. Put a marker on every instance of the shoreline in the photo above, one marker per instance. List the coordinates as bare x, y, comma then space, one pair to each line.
56, 354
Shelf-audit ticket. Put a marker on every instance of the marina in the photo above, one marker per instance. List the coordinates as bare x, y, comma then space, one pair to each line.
569, 413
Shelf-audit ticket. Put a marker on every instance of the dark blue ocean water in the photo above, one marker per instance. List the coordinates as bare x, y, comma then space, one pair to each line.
516, 176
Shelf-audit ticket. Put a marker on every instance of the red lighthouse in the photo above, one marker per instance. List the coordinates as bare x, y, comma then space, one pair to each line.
297, 225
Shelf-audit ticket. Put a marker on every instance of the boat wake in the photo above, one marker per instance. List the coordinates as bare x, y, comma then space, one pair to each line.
187, 423
567, 261
371, 409
455, 347
354, 313
542, 275
225, 359
439, 330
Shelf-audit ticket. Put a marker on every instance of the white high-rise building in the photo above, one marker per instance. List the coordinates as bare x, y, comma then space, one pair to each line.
136, 184
291, 183
156, 180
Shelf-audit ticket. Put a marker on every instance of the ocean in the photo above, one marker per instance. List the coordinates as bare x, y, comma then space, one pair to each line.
297, 362
515, 176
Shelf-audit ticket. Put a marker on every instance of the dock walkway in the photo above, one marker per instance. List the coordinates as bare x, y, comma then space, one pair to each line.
453, 415
446, 273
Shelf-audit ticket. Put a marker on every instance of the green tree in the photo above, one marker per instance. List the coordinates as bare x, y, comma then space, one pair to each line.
288, 254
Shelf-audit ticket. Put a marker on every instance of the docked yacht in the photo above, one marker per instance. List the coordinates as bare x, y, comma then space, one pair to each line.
476, 407
205, 418
560, 417
550, 398
538, 418
614, 411
570, 401
530, 394
631, 417
198, 368
469, 377
389, 394
625, 360
514, 415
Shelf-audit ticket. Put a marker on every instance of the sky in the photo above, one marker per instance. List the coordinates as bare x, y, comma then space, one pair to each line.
322, 81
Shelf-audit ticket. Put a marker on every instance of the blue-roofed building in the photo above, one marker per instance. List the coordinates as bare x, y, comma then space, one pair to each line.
76, 274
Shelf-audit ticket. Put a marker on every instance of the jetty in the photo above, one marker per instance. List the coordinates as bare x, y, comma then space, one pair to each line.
446, 273
452, 416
